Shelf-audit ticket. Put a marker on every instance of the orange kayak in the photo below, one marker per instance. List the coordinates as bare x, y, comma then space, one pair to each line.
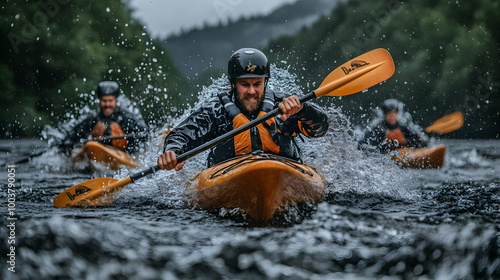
422, 158
260, 185
108, 156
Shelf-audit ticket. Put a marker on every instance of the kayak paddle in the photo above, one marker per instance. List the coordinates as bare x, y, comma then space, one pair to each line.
97, 139
106, 138
26, 159
353, 76
447, 123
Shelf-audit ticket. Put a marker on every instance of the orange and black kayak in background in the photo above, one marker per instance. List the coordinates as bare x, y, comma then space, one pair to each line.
420, 158
104, 155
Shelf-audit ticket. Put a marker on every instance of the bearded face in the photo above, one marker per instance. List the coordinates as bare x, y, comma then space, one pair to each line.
108, 105
250, 93
391, 117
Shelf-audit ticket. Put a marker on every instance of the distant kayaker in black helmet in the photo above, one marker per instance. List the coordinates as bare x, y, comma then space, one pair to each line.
109, 121
248, 99
392, 131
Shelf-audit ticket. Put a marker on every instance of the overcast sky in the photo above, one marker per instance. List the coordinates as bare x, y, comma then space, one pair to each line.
167, 17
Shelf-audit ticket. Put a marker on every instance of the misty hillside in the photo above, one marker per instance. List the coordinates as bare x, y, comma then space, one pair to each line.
445, 61
196, 51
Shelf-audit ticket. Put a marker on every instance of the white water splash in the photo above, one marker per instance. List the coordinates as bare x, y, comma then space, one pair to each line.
336, 156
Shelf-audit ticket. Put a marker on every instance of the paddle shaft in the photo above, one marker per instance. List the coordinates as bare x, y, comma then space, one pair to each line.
220, 139
97, 139
321, 91
106, 138
26, 159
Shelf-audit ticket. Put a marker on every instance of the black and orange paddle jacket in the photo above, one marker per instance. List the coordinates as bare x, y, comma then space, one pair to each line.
222, 114
384, 137
121, 122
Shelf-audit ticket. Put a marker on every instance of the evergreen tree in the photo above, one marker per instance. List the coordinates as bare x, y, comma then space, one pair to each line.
57, 51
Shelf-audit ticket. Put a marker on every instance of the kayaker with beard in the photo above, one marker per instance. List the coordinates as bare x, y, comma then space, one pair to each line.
248, 99
392, 132
111, 120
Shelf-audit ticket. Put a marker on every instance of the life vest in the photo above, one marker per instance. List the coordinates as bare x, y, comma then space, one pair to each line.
102, 129
258, 137
395, 138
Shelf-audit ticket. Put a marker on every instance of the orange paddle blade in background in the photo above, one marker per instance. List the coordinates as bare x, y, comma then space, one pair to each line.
447, 123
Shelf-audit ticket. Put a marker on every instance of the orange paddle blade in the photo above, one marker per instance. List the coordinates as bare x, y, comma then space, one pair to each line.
447, 123
358, 74
95, 192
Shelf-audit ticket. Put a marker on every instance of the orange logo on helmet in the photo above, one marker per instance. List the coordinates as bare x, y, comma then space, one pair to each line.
251, 68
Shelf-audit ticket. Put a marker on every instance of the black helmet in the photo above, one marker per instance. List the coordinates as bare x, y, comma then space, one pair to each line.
107, 88
390, 105
248, 63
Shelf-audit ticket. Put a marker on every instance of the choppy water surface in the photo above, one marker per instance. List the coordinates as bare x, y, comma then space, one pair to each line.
376, 220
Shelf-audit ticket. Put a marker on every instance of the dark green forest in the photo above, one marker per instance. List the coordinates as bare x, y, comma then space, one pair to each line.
55, 52
447, 56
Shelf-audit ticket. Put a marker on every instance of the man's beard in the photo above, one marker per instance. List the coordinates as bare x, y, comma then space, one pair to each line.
249, 109
391, 126
108, 107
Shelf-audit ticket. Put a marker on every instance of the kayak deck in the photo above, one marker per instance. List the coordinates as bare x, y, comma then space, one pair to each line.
422, 158
110, 157
257, 184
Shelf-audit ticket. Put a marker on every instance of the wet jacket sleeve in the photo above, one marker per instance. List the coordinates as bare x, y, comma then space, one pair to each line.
135, 126
198, 128
311, 121
414, 136
81, 130
374, 137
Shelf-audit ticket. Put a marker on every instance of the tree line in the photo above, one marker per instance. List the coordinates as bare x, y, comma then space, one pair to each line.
55, 52
446, 53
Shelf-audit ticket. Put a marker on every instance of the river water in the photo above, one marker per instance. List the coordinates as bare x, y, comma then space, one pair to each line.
377, 221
